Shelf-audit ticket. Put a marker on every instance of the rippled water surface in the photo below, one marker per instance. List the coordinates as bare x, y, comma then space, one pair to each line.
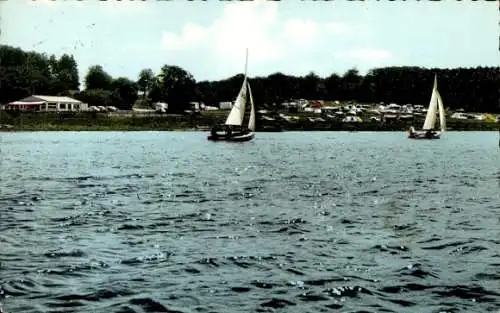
290, 222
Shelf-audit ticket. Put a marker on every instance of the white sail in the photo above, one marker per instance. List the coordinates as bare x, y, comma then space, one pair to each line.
442, 114
251, 121
237, 113
430, 118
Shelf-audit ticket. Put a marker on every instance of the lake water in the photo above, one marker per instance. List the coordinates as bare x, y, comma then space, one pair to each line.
290, 222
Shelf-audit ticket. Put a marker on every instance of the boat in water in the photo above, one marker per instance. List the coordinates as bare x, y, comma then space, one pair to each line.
234, 129
271, 129
436, 107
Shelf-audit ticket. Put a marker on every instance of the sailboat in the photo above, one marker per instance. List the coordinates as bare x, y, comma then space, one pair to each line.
435, 106
233, 129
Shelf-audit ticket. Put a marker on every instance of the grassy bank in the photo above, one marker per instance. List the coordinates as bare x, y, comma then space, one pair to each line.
90, 121
93, 121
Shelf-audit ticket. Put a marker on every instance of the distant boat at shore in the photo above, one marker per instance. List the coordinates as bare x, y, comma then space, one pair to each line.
271, 129
233, 129
435, 106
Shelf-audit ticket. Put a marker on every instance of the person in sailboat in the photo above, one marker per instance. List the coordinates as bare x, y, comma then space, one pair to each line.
229, 131
213, 132
430, 134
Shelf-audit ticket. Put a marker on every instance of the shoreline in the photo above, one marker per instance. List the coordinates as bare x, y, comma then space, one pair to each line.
88, 121
144, 129
202, 131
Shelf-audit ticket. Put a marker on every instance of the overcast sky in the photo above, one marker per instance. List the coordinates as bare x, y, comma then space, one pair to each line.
208, 38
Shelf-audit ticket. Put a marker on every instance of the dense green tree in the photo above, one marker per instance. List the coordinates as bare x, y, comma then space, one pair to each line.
156, 94
23, 73
207, 93
96, 97
146, 81
125, 92
174, 86
97, 78
63, 73
312, 87
68, 72
351, 83
332, 86
280, 88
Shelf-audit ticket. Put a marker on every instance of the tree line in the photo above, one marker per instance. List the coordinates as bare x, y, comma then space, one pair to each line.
23, 73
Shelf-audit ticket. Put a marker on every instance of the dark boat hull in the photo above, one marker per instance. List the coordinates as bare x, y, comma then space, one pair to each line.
233, 138
423, 135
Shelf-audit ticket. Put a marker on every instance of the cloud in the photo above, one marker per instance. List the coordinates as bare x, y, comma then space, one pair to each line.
113, 7
42, 2
255, 25
370, 55
339, 28
57, 3
240, 26
190, 36
367, 58
110, 7
301, 30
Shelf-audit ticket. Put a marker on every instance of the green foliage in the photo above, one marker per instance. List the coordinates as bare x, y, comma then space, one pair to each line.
174, 86
142, 104
146, 81
104, 90
64, 72
97, 78
97, 97
25, 73
125, 92
102, 121
473, 89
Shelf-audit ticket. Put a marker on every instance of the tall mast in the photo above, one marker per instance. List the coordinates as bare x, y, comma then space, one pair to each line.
246, 62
